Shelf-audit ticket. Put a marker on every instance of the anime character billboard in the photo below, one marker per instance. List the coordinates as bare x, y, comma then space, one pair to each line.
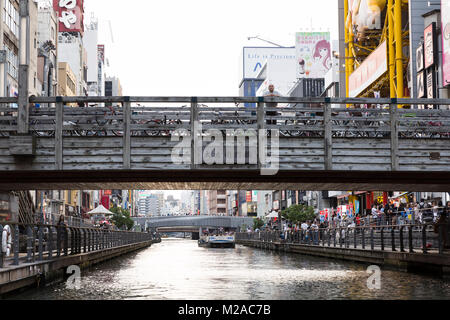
313, 51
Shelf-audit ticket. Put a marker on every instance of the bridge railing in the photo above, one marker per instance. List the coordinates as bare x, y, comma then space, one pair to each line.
405, 238
298, 117
24, 243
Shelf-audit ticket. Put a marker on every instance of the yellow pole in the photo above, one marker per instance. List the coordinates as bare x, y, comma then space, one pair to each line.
391, 49
398, 46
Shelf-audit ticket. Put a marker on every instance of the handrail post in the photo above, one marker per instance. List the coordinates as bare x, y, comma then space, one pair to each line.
16, 245
347, 240
441, 238
393, 239
382, 238
260, 114
66, 240
410, 239
41, 243
424, 238
363, 237
30, 239
402, 249
127, 134
334, 237
340, 237
59, 119
354, 237
50, 242
372, 243
394, 135
328, 137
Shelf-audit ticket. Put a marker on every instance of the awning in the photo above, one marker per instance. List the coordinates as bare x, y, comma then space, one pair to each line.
399, 196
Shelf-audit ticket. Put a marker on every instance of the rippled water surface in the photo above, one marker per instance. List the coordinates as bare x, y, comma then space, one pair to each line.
179, 269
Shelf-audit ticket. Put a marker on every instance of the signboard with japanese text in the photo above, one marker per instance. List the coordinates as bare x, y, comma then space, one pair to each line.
430, 45
101, 52
70, 15
313, 53
445, 14
372, 68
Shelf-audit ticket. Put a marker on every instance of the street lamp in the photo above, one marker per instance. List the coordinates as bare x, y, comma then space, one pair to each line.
257, 37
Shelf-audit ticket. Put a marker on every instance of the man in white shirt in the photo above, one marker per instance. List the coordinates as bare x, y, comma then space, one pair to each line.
271, 93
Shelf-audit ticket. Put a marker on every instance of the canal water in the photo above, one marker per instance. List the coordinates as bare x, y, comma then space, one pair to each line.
178, 269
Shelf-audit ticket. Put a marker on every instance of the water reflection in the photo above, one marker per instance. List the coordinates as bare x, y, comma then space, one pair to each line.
179, 269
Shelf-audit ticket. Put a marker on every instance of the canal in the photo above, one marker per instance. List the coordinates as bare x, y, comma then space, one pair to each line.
178, 269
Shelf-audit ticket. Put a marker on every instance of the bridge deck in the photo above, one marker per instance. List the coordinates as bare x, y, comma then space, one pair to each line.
310, 137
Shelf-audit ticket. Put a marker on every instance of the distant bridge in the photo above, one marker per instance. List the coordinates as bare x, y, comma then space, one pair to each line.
194, 222
130, 146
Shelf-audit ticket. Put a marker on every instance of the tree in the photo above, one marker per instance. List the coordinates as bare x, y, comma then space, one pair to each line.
257, 223
121, 218
299, 213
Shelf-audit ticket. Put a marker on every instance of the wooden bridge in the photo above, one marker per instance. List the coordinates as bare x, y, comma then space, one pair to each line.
145, 143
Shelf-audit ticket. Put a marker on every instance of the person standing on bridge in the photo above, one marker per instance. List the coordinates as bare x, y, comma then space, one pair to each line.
271, 93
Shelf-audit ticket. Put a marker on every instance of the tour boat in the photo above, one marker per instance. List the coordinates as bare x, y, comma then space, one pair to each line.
216, 241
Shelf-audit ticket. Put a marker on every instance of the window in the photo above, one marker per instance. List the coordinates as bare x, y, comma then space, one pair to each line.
12, 60
11, 17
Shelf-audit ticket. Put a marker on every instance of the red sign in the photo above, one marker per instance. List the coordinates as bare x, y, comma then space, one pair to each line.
105, 201
249, 196
70, 15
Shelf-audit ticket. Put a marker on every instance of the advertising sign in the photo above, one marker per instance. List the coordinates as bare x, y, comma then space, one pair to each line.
420, 84
255, 57
255, 196
248, 197
101, 52
430, 45
445, 14
419, 58
369, 71
70, 15
313, 53
365, 14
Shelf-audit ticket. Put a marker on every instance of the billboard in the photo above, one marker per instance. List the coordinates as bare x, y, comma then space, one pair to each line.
70, 15
365, 14
445, 13
373, 67
255, 57
313, 54
101, 52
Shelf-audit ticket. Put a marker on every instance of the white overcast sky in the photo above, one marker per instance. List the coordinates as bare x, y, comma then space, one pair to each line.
193, 47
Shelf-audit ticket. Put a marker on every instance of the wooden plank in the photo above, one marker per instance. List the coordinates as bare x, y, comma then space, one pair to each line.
195, 156
328, 138
92, 152
23, 145
126, 135
58, 136
93, 159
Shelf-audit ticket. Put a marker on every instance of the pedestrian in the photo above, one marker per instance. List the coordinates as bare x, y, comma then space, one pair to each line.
61, 225
271, 93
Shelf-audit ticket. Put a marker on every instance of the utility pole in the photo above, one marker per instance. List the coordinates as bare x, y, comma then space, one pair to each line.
24, 62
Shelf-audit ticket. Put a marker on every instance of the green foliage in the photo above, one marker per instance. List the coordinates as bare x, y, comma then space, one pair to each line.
257, 223
298, 213
121, 218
